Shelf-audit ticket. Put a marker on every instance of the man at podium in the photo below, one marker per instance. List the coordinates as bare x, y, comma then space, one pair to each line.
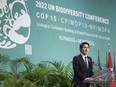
82, 66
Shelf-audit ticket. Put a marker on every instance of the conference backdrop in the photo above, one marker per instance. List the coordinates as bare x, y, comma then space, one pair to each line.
53, 29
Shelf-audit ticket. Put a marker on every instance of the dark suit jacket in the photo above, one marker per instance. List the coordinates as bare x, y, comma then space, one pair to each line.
80, 70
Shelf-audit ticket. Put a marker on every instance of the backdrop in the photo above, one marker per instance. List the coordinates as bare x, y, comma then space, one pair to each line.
53, 29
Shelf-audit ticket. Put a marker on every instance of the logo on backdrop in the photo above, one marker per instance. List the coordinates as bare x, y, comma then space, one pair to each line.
14, 23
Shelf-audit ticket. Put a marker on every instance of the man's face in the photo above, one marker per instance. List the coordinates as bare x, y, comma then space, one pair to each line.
85, 49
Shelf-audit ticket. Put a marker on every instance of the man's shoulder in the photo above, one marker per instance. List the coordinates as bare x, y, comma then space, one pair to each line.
77, 56
89, 57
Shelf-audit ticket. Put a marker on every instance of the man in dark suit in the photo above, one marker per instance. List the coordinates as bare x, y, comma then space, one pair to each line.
82, 66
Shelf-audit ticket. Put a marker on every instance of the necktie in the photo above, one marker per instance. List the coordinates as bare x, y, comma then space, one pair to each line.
86, 61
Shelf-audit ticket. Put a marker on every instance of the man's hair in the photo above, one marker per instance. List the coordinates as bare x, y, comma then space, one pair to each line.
83, 43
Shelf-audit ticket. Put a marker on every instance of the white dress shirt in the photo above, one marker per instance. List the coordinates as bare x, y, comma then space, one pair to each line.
84, 59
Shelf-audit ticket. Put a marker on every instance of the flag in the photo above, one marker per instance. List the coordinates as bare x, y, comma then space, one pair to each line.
99, 64
113, 83
110, 65
112, 80
114, 62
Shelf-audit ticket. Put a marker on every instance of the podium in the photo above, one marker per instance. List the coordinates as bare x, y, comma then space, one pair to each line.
103, 77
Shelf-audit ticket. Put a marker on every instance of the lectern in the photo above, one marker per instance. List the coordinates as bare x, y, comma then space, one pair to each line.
103, 77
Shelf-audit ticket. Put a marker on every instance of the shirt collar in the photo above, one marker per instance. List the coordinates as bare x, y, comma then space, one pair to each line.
83, 55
